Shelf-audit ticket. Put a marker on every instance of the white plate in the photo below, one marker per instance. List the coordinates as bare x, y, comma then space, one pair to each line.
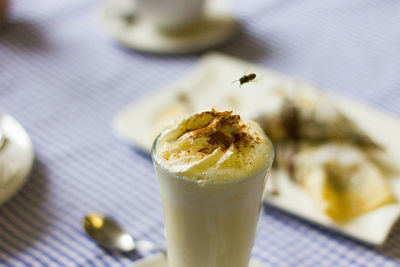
158, 260
211, 84
16, 156
218, 27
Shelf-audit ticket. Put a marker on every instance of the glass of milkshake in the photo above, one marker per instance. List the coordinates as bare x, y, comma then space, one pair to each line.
212, 169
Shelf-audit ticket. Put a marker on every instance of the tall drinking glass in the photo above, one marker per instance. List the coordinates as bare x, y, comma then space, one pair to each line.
210, 224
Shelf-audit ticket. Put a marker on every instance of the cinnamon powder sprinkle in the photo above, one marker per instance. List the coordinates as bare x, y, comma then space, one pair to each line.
223, 130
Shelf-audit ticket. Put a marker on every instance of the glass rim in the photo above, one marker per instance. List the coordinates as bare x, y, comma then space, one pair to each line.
186, 178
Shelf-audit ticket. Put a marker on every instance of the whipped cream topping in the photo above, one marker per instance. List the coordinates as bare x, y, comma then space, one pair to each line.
213, 146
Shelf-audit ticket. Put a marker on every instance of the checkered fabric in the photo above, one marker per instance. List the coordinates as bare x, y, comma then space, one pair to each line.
65, 80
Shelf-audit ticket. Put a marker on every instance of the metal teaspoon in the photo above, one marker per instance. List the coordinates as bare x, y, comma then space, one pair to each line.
109, 234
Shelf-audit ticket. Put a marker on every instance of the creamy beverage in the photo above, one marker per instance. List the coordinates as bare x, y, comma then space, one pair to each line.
212, 169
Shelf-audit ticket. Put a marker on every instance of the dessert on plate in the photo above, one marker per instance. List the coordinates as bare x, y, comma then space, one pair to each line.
324, 152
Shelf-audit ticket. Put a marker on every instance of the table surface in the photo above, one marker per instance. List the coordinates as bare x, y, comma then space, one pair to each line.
65, 80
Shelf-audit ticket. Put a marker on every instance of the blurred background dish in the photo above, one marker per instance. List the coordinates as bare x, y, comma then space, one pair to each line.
121, 21
16, 157
338, 131
170, 15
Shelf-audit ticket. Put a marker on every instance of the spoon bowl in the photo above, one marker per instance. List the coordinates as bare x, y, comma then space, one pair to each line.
109, 234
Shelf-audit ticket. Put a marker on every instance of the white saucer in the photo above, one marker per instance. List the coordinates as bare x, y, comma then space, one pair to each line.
16, 158
218, 27
159, 260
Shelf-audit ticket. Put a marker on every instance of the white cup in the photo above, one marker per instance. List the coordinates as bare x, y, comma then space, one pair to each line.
171, 15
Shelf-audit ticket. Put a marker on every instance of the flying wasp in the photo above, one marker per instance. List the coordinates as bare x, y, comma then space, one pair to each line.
246, 78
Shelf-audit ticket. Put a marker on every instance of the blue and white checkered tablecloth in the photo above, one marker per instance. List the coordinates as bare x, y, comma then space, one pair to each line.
64, 80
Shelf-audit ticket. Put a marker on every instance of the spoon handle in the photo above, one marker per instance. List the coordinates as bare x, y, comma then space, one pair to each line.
144, 246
